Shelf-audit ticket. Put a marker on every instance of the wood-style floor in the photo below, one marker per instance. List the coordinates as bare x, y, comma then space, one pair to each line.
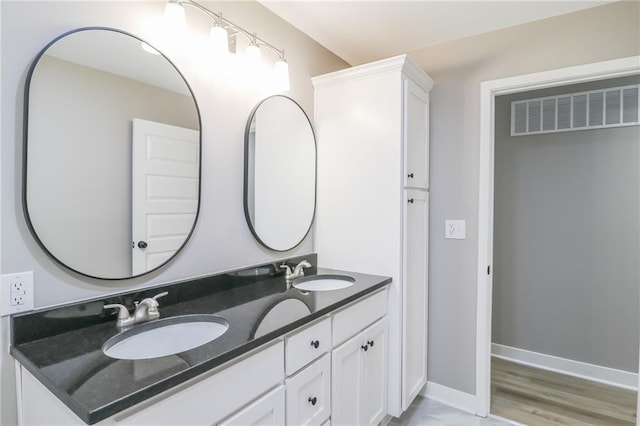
539, 397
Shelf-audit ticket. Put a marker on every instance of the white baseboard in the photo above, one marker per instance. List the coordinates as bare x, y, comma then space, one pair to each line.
610, 376
452, 397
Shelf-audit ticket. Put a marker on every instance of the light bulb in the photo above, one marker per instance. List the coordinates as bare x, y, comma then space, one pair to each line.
219, 40
174, 15
281, 75
253, 54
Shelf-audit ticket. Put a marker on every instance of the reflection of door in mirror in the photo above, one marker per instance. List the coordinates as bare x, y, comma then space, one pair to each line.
165, 174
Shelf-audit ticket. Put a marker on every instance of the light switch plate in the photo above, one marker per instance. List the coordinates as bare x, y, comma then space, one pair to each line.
16, 293
455, 229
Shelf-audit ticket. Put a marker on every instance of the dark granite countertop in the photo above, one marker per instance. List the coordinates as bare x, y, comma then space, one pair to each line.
62, 347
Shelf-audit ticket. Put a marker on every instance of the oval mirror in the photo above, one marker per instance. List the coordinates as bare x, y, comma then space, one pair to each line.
111, 172
280, 173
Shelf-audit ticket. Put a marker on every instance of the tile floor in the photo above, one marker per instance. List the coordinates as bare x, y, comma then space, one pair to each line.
424, 411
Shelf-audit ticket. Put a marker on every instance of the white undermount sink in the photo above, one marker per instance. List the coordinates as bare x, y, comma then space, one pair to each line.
166, 336
323, 282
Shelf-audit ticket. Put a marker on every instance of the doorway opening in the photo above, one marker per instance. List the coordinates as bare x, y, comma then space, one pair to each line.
489, 91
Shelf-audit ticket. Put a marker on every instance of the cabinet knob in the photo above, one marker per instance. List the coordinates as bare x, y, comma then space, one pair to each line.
410, 175
313, 400
365, 347
142, 244
315, 343
370, 343
410, 200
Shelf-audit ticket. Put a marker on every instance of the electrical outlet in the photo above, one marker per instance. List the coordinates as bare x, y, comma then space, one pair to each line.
455, 229
17, 299
16, 293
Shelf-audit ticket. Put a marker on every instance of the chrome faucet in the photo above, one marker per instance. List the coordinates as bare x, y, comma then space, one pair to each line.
297, 272
146, 310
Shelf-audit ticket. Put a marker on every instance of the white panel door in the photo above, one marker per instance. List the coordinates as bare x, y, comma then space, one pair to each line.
414, 297
416, 136
165, 172
373, 406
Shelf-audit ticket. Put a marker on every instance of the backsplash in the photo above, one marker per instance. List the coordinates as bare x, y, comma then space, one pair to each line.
45, 323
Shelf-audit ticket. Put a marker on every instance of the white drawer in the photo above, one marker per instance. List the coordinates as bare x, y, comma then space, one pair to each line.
267, 410
309, 394
207, 401
306, 345
358, 316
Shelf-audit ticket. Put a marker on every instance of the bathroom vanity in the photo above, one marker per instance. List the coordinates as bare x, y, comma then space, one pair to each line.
290, 356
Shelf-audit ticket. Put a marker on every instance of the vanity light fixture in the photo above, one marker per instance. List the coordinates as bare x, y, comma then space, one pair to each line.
219, 38
174, 16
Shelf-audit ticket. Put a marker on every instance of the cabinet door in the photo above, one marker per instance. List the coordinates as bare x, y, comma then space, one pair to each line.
414, 296
345, 382
267, 410
416, 136
373, 406
308, 394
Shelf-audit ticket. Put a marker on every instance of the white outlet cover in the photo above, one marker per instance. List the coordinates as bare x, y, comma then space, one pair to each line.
22, 280
455, 229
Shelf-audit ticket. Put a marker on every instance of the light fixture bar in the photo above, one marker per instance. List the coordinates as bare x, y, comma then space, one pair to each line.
219, 19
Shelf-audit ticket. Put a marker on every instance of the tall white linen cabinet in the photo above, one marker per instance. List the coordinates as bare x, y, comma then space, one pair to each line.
372, 129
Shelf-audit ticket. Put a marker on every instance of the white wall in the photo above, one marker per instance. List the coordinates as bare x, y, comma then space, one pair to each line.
458, 68
221, 240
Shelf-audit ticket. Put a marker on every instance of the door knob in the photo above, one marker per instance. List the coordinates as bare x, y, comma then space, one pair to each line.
365, 347
313, 400
315, 343
410, 200
142, 244
370, 343
410, 175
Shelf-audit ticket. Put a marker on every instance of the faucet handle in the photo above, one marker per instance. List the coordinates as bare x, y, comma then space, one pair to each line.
286, 268
159, 295
123, 313
304, 264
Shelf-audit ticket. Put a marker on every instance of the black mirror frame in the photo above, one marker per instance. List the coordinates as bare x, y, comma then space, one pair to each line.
247, 131
25, 131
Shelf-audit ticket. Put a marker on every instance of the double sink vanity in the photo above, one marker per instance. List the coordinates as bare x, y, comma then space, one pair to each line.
267, 348
276, 343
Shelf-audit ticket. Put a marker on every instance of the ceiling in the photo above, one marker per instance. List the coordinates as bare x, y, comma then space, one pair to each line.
362, 31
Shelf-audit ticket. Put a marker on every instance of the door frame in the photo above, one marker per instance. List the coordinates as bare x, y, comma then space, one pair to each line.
488, 91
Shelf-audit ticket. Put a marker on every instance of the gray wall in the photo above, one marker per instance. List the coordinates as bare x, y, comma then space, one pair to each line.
602, 33
566, 246
222, 240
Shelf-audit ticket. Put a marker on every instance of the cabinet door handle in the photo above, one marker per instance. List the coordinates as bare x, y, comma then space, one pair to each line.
365, 347
313, 400
410, 175
315, 343
410, 200
370, 343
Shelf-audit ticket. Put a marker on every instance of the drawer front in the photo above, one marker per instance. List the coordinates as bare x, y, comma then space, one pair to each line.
306, 345
309, 394
267, 410
209, 400
355, 318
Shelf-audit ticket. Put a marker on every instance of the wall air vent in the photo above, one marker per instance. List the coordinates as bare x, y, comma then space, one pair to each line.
596, 109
